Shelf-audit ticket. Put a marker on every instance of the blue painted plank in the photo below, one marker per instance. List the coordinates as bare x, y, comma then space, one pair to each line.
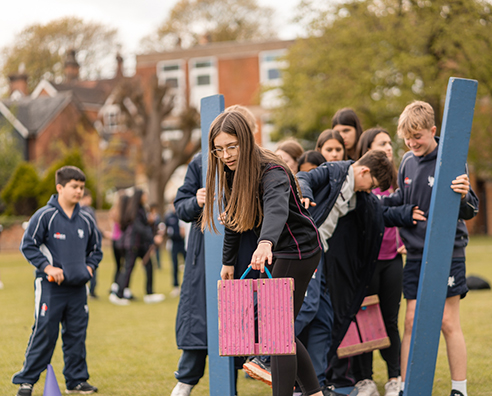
439, 239
221, 369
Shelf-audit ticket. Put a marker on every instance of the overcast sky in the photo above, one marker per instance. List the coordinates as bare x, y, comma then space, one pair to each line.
133, 19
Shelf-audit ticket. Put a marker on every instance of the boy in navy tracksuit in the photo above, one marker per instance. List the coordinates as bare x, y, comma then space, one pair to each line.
416, 179
64, 245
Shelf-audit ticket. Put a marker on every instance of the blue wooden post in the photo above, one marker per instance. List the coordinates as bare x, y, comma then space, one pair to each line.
439, 239
220, 369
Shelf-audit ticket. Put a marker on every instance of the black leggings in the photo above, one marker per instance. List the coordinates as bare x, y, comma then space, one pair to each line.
387, 284
287, 369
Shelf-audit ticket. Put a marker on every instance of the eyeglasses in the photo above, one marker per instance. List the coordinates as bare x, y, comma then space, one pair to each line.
231, 150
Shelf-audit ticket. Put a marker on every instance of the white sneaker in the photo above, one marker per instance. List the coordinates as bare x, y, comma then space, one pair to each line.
154, 298
113, 298
181, 389
366, 387
114, 288
392, 388
127, 293
175, 292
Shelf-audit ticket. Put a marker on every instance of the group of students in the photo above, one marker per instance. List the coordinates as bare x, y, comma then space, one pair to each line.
341, 214
134, 235
293, 223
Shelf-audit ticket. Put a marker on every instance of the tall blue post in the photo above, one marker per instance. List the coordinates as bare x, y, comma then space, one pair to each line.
220, 369
439, 239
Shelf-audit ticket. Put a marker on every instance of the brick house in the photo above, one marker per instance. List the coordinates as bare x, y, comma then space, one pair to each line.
238, 70
73, 113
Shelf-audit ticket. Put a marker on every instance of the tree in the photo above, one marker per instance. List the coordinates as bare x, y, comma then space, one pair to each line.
47, 185
10, 154
20, 192
42, 48
218, 20
144, 115
376, 56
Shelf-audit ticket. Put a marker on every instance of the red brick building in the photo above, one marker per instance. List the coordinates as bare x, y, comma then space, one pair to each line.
238, 70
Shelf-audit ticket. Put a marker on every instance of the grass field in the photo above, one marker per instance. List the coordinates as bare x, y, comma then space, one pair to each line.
132, 349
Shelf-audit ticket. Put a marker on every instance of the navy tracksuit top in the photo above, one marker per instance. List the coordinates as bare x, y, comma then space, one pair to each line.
68, 243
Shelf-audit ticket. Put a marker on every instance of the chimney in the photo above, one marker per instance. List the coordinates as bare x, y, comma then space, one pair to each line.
18, 81
71, 67
119, 67
204, 39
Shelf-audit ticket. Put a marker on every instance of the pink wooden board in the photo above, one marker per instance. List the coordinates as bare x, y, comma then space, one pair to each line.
351, 337
371, 325
275, 301
367, 333
276, 316
236, 317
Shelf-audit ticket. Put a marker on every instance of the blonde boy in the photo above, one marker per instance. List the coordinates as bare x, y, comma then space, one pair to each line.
417, 128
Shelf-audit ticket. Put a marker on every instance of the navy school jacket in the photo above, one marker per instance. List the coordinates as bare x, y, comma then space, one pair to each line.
52, 238
416, 179
355, 243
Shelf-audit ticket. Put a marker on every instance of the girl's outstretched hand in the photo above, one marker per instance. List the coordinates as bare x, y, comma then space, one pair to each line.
262, 253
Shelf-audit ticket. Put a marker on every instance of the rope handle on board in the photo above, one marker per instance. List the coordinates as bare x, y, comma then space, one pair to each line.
249, 269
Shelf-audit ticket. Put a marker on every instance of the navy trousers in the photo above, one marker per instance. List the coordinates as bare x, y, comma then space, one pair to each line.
55, 305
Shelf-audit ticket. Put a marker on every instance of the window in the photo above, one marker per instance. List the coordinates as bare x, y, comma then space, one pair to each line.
203, 79
111, 118
271, 65
172, 73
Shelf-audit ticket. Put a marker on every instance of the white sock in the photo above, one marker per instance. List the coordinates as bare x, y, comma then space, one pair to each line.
459, 386
402, 385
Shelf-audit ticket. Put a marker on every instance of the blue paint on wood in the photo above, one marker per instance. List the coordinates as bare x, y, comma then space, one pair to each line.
439, 239
221, 369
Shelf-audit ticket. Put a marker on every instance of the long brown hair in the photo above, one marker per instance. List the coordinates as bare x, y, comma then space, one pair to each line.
242, 202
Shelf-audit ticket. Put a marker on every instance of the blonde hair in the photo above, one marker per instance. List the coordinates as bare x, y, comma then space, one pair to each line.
248, 115
417, 116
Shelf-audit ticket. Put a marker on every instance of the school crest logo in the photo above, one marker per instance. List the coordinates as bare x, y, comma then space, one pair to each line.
81, 233
430, 181
451, 281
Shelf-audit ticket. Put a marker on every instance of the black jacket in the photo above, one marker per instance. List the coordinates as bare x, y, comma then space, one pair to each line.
286, 223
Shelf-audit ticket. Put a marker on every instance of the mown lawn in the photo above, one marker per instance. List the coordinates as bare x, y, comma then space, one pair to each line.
132, 350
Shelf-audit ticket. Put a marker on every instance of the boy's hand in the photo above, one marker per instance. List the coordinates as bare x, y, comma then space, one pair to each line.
227, 272
55, 273
200, 197
307, 203
417, 215
90, 270
461, 185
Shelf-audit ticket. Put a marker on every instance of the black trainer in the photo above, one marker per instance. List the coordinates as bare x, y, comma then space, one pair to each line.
83, 388
25, 390
456, 393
